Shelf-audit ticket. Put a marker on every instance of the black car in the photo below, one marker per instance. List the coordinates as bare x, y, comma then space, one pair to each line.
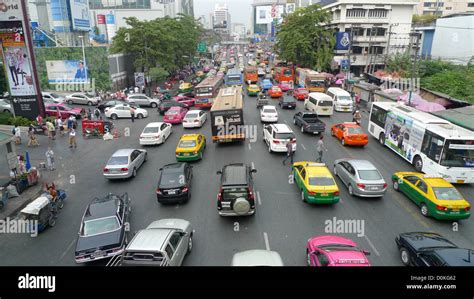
236, 195
104, 226
309, 122
287, 102
174, 184
431, 249
166, 105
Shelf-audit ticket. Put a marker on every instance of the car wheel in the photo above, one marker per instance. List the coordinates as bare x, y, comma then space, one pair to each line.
308, 258
70, 102
89, 103
140, 116
302, 196
343, 141
424, 210
302, 129
134, 173
146, 157
382, 139
52, 221
418, 163
334, 170
405, 256
200, 155
294, 121
351, 190
190, 244
113, 116
332, 132
396, 187
153, 105
269, 148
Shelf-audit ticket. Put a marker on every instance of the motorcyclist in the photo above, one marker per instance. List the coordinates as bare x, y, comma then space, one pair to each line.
357, 117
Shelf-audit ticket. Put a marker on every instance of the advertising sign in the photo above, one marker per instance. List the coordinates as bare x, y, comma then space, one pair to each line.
10, 10
65, 71
80, 15
264, 14
139, 79
290, 7
28, 105
342, 41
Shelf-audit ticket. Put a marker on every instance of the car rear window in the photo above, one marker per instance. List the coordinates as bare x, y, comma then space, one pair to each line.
191, 115
288, 100
355, 130
187, 143
170, 179
100, 226
151, 130
172, 112
234, 193
284, 135
269, 110
118, 160
325, 103
370, 175
321, 181
447, 193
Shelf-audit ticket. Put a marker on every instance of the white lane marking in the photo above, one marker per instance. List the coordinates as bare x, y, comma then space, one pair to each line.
253, 165
302, 145
267, 244
250, 147
372, 245
258, 198
285, 121
67, 249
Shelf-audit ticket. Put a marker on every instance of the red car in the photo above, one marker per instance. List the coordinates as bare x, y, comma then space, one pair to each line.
64, 110
175, 115
350, 134
184, 99
275, 92
284, 86
300, 94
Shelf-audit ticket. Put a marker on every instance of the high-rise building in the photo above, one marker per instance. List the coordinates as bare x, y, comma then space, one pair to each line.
443, 7
221, 19
239, 28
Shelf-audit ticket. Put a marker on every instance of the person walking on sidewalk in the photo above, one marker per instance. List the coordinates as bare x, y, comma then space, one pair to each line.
320, 148
132, 113
32, 137
17, 134
72, 138
51, 130
59, 126
289, 153
89, 114
97, 114
50, 158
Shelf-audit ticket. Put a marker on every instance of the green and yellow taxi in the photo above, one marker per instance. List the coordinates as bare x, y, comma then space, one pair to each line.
316, 183
435, 196
185, 87
190, 147
253, 90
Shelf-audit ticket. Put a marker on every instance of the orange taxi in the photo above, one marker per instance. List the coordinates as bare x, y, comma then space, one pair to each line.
350, 133
275, 92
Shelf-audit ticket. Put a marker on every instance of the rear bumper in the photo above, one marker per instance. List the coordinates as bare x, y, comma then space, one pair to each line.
112, 176
365, 193
172, 198
269, 119
232, 213
89, 258
450, 215
281, 148
319, 200
191, 157
191, 125
357, 143
149, 141
173, 121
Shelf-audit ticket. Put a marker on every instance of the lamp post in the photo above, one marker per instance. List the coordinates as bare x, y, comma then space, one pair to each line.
83, 55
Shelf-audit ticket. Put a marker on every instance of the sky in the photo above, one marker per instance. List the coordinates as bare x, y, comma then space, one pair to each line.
239, 10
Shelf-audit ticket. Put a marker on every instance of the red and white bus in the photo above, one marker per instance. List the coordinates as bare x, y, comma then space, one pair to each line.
207, 90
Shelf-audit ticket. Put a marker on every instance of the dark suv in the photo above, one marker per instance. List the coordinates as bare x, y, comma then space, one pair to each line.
236, 195
174, 184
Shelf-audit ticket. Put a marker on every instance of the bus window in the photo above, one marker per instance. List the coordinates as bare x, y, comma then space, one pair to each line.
378, 116
432, 146
287, 72
458, 153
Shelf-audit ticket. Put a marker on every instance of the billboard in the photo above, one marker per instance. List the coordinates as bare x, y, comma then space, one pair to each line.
264, 14
66, 71
80, 15
10, 10
139, 79
342, 41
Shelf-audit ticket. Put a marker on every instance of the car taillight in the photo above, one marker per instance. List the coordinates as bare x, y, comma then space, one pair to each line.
293, 140
467, 208
106, 170
276, 141
361, 186
441, 208
158, 191
312, 193
219, 195
124, 169
196, 121
185, 189
195, 152
385, 185
336, 193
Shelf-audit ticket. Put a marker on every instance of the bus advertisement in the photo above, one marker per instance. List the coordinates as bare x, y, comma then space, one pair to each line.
207, 90
311, 80
234, 77
227, 117
433, 145
283, 73
251, 74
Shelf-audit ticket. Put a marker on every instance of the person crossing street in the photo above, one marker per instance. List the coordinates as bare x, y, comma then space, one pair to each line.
289, 153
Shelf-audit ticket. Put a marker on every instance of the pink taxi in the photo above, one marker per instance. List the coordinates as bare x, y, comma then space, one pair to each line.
175, 115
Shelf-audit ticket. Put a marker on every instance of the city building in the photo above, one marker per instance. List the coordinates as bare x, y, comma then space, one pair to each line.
239, 28
377, 30
265, 13
221, 19
443, 7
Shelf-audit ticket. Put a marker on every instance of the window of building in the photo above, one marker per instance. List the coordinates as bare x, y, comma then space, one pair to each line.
470, 4
449, 8
440, 4
428, 4
377, 50
357, 50
357, 31
377, 13
376, 31
355, 13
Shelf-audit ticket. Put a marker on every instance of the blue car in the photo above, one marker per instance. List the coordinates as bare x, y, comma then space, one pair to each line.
266, 84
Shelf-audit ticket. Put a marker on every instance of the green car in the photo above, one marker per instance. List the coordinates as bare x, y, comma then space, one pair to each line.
191, 147
315, 182
185, 87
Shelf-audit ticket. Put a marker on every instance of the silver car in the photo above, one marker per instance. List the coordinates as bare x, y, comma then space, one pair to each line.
5, 106
124, 163
142, 100
257, 257
82, 98
164, 242
52, 97
361, 177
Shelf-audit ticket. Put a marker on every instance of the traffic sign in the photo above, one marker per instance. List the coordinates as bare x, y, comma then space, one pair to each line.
202, 47
345, 64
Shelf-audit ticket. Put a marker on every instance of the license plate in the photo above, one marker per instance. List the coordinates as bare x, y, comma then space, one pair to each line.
186, 154
358, 138
315, 133
98, 254
225, 205
455, 210
374, 188
324, 194
325, 109
171, 192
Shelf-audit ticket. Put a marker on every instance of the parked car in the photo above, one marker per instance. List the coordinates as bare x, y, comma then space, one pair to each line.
82, 98
124, 163
63, 110
316, 183
257, 258
431, 249
275, 92
309, 122
142, 100
300, 94
287, 102
276, 136
174, 183
155, 133
123, 111
323, 251
350, 134
103, 231
164, 242
191, 147
361, 177
236, 195
5, 106
175, 115
268, 114
194, 119
53, 97
165, 106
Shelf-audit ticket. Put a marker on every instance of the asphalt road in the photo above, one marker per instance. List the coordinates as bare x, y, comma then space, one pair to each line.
282, 223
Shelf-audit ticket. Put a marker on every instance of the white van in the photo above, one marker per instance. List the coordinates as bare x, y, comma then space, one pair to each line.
341, 98
320, 103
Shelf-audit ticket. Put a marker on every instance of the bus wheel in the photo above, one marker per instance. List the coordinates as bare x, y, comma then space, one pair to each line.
382, 139
418, 163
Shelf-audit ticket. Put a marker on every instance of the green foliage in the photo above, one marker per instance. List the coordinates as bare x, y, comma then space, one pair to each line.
456, 81
19, 121
303, 39
4, 118
158, 74
167, 42
423, 19
401, 63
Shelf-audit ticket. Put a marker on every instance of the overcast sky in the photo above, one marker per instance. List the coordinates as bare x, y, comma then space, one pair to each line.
239, 10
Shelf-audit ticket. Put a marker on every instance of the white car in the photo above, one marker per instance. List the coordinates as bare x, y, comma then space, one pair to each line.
123, 111
155, 133
276, 136
82, 98
261, 72
52, 97
5, 106
268, 114
194, 119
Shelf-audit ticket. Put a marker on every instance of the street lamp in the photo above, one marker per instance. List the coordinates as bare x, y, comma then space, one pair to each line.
83, 55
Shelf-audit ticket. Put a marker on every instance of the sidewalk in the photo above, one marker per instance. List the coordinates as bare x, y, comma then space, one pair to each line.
16, 204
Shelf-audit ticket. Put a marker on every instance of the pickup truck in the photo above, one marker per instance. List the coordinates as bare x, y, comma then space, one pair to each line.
309, 122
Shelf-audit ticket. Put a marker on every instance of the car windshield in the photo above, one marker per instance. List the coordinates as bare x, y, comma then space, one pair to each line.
447, 193
100, 226
321, 181
55, 95
118, 160
201, 90
191, 115
187, 143
344, 98
234, 193
352, 130
284, 135
170, 179
317, 83
151, 130
269, 110
370, 175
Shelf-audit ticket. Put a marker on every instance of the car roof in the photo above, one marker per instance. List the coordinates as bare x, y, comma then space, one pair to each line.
234, 174
269, 107
281, 128
350, 125
154, 124
361, 164
174, 167
193, 112
189, 136
123, 152
437, 182
426, 239
176, 108
137, 94
150, 239
338, 91
257, 257
101, 207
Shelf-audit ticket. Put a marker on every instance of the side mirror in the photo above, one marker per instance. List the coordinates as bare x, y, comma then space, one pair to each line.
219, 172
253, 170
366, 252
160, 169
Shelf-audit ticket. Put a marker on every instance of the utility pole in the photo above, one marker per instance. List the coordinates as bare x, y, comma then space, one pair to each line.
414, 36
369, 52
349, 52
387, 50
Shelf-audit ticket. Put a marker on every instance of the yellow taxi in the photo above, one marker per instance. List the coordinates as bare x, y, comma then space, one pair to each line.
190, 147
253, 90
316, 183
435, 196
185, 87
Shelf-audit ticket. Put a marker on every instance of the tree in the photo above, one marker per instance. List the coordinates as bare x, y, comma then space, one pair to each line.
303, 38
158, 74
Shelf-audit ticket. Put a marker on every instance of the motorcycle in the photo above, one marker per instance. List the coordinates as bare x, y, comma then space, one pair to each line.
40, 129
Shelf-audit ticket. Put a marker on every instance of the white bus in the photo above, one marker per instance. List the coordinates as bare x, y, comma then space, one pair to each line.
433, 145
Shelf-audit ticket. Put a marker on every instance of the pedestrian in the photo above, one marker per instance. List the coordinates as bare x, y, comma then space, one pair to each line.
89, 114
136, 89
72, 138
320, 148
51, 130
289, 153
132, 113
39, 120
32, 137
69, 123
59, 125
17, 134
356, 117
97, 114
50, 158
